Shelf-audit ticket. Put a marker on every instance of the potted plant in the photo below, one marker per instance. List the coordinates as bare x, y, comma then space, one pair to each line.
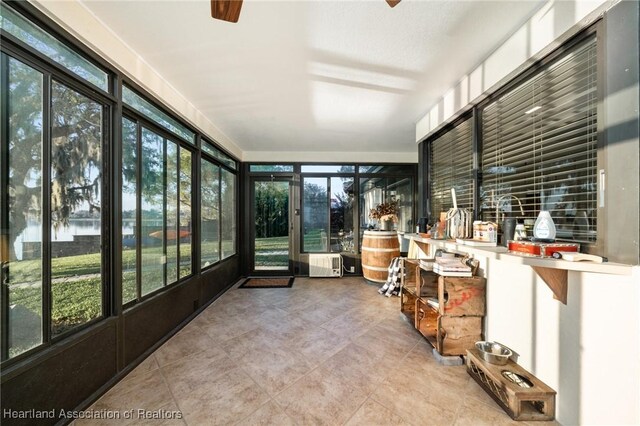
386, 214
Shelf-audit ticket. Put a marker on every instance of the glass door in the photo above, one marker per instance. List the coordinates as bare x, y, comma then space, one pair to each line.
271, 242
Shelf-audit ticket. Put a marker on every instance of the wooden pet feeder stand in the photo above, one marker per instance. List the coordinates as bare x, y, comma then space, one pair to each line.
517, 391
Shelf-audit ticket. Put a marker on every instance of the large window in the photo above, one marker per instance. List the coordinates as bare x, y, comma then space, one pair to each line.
217, 213
228, 213
209, 213
315, 207
129, 209
540, 147
156, 211
451, 167
22, 257
51, 208
76, 194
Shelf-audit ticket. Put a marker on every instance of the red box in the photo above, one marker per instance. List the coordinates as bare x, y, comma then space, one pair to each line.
528, 248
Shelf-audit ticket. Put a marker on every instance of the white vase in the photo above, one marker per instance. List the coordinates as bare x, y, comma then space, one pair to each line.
544, 227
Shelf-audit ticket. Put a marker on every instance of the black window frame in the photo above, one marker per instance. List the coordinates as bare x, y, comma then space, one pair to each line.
53, 72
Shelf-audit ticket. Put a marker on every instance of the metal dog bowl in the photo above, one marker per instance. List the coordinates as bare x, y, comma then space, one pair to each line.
494, 352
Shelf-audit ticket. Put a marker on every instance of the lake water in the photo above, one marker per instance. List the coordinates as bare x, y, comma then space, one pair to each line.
33, 231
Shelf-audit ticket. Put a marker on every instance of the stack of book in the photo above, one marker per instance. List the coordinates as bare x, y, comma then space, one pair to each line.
452, 267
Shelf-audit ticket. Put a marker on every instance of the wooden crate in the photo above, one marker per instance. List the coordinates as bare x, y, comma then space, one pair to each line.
426, 321
537, 402
461, 296
457, 334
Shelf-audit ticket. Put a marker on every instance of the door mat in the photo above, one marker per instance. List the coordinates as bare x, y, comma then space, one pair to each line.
267, 282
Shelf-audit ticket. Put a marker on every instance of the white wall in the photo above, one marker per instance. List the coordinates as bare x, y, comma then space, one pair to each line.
537, 34
588, 350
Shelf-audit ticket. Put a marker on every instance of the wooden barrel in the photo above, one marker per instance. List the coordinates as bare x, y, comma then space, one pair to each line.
378, 249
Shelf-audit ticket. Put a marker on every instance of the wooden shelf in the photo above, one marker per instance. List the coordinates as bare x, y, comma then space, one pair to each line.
534, 401
501, 253
554, 272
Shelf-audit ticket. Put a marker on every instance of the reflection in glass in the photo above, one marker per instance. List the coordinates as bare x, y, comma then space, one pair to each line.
215, 152
209, 214
21, 246
76, 175
129, 211
342, 193
152, 215
13, 23
172, 232
185, 213
315, 214
228, 217
149, 110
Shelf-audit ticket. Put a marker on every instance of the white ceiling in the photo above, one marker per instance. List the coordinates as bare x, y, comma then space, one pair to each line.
315, 75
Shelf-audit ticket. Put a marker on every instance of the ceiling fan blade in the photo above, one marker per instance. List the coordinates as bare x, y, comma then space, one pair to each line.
226, 10
392, 3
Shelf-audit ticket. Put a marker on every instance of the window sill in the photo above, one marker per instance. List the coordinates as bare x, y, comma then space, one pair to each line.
501, 253
554, 272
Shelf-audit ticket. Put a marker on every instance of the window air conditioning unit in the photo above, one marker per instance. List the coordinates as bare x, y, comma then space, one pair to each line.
325, 265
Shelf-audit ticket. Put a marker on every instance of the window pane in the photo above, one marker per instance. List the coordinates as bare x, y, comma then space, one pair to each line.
172, 233
327, 168
152, 214
211, 150
451, 166
23, 250
316, 217
19, 27
147, 109
540, 148
270, 168
342, 214
185, 213
228, 206
76, 175
377, 190
129, 211
210, 193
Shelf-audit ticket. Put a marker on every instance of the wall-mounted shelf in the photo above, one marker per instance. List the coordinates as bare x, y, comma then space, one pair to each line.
554, 272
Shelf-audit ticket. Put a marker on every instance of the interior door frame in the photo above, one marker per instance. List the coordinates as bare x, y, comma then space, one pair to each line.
252, 229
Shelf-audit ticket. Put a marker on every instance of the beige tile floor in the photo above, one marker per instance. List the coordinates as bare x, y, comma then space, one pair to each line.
324, 352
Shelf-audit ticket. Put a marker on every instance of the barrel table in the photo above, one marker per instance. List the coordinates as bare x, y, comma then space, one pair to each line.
378, 249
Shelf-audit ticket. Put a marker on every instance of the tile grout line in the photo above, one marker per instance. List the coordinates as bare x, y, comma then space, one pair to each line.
175, 401
382, 403
373, 391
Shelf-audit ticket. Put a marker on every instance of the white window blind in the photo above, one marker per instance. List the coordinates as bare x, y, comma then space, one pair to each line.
451, 166
539, 144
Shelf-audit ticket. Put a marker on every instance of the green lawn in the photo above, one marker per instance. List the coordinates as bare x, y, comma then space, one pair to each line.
272, 252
